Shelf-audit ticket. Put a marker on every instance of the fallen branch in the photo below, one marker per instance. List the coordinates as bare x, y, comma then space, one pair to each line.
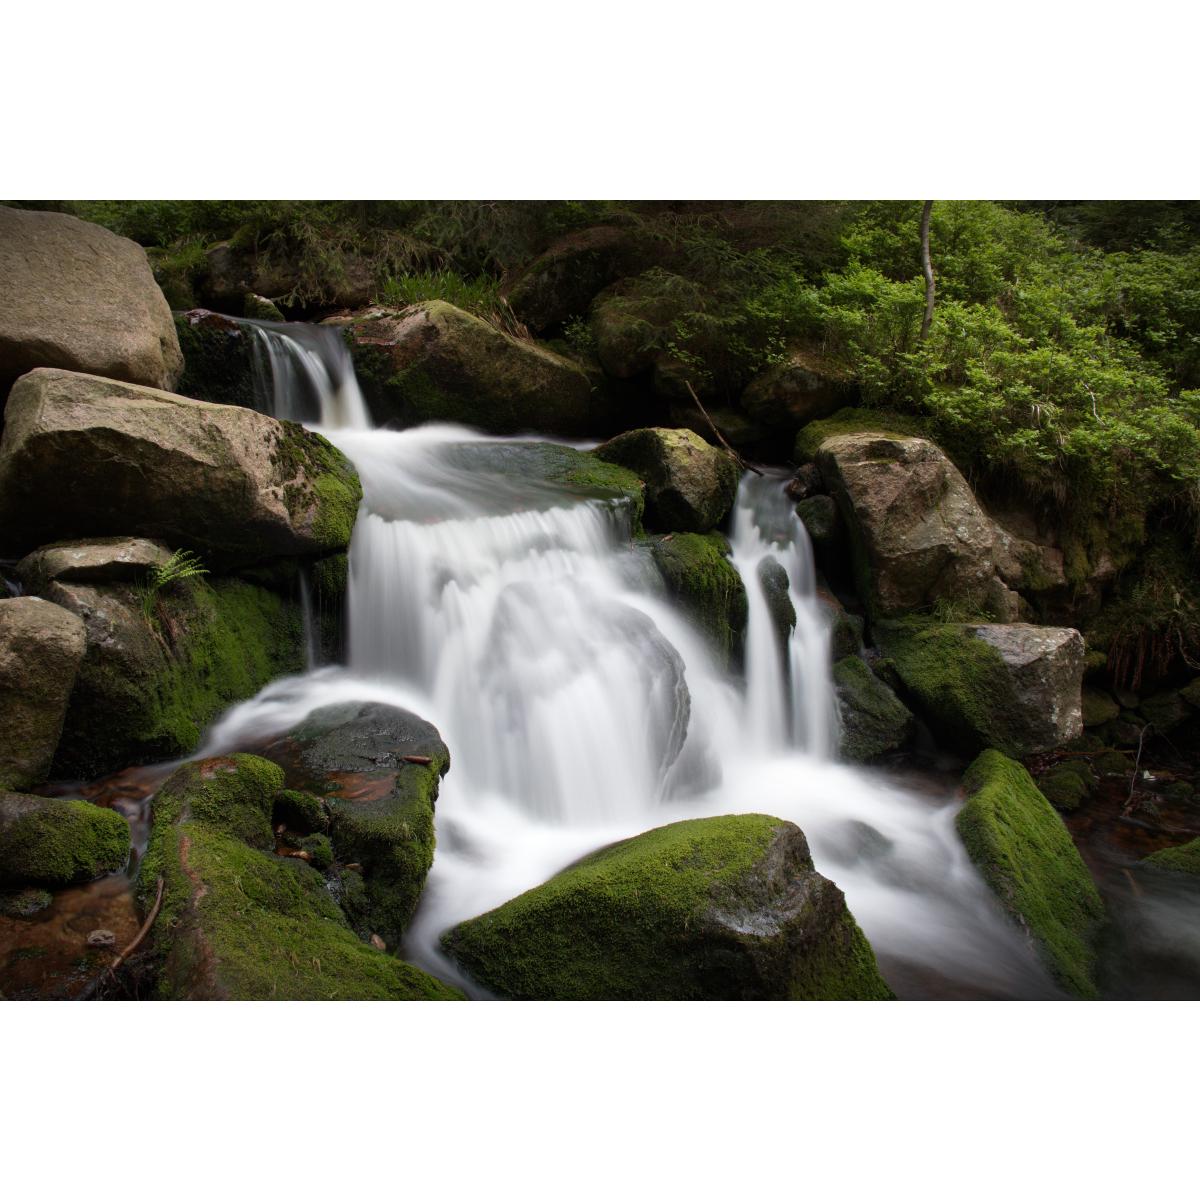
737, 458
145, 929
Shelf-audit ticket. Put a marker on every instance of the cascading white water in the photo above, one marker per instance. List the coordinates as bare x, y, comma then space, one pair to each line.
581, 707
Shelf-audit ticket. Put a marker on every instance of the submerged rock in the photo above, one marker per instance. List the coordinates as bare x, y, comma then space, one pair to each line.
700, 578
918, 534
41, 647
690, 485
718, 908
240, 923
1025, 853
55, 843
80, 297
873, 721
377, 768
1015, 688
233, 484
151, 680
434, 362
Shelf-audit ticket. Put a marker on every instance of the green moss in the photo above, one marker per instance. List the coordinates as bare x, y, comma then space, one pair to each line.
874, 721
240, 923
670, 914
1098, 708
1064, 788
1027, 857
320, 851
317, 479
699, 576
958, 681
300, 811
853, 420
330, 576
223, 640
58, 842
1185, 858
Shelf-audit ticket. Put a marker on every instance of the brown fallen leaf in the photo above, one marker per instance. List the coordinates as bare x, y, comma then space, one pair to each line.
378, 942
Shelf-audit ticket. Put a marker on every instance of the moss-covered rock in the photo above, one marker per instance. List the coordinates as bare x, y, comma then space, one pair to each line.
434, 362
718, 908
1098, 708
237, 922
301, 811
41, 647
377, 768
873, 720
633, 320
1015, 688
700, 578
148, 685
218, 358
58, 842
772, 579
819, 515
804, 387
1185, 858
1064, 787
1026, 855
690, 485
233, 484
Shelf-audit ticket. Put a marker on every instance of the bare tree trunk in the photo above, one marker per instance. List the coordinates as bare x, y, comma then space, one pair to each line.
927, 268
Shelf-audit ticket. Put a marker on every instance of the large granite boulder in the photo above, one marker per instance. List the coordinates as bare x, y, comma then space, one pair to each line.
242, 919
79, 297
54, 843
1025, 853
1015, 688
434, 362
41, 647
690, 485
235, 485
722, 908
561, 282
157, 669
918, 534
378, 769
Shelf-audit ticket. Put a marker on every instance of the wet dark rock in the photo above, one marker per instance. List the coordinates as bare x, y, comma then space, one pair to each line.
873, 720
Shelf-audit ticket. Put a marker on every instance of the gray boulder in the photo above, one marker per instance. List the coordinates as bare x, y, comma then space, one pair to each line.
235, 485
873, 720
80, 297
104, 560
918, 534
41, 647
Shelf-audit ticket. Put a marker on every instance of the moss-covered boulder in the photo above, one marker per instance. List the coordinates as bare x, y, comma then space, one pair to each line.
633, 320
917, 533
873, 721
434, 362
233, 484
80, 297
699, 577
55, 843
804, 387
561, 282
218, 358
690, 485
1067, 785
821, 521
41, 647
239, 922
1014, 688
725, 908
1184, 859
1025, 853
152, 678
377, 768
1097, 708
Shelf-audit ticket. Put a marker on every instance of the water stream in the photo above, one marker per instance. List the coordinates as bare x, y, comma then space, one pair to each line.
581, 706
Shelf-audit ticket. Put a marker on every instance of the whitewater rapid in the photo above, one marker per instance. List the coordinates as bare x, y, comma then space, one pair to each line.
581, 706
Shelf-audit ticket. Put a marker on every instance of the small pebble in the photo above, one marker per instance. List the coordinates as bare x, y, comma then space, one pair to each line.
378, 942
102, 937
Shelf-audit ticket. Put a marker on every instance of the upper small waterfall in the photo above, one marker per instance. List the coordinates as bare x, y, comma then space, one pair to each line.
305, 373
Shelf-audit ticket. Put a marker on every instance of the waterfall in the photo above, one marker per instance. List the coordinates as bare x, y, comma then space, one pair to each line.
581, 706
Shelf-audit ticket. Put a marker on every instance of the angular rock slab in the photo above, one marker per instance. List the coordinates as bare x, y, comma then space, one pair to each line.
1015, 688
41, 647
79, 297
918, 533
102, 560
235, 485
718, 908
